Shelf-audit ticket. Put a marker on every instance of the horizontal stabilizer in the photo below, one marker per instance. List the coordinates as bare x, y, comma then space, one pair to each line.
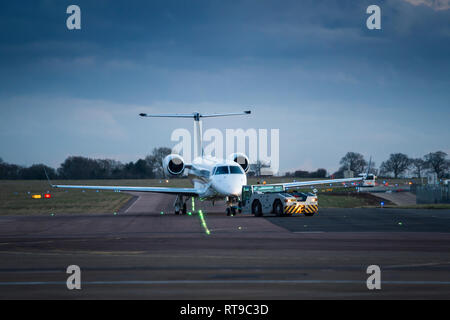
194, 115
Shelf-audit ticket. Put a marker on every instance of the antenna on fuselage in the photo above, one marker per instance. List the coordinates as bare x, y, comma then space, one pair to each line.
198, 143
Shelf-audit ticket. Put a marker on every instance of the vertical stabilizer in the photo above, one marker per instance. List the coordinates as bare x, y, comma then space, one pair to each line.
198, 141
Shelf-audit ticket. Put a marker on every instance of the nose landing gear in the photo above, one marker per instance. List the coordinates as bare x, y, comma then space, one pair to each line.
232, 206
231, 211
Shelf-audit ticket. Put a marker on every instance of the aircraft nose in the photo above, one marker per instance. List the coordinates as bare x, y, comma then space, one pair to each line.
228, 187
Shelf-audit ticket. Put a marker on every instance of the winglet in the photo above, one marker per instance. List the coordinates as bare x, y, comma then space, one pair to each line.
48, 179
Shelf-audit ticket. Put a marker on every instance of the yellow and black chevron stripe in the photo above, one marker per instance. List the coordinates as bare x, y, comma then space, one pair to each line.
301, 208
311, 209
295, 208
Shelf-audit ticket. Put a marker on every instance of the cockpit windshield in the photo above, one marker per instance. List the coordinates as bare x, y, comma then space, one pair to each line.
236, 170
221, 170
228, 170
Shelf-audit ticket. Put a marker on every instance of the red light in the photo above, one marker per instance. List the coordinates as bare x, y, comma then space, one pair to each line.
47, 196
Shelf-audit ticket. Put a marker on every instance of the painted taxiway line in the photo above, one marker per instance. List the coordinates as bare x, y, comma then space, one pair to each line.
132, 205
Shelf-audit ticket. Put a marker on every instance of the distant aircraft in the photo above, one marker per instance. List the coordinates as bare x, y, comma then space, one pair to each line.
213, 179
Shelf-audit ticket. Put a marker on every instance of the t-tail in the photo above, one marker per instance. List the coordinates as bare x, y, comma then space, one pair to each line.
198, 133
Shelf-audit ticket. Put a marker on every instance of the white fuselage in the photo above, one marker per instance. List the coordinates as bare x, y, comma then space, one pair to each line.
217, 178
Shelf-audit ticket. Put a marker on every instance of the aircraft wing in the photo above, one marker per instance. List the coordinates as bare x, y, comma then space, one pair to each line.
314, 182
182, 191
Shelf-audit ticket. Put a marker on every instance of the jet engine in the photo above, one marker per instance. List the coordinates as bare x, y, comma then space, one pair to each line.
173, 165
242, 160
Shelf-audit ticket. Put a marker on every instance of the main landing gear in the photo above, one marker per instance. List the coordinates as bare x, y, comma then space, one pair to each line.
180, 205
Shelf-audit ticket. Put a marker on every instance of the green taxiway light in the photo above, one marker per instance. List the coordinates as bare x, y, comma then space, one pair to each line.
203, 222
189, 213
162, 212
193, 204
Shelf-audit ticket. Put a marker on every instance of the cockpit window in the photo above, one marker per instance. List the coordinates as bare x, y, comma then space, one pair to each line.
235, 169
221, 170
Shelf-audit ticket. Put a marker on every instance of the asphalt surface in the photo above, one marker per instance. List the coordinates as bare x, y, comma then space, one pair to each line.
146, 252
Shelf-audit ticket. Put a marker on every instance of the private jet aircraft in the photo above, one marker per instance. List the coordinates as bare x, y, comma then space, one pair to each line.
213, 179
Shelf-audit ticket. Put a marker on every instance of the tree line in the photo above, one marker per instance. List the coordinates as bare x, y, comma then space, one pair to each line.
77, 167
398, 165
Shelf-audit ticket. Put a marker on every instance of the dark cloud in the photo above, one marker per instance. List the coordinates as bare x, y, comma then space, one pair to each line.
289, 54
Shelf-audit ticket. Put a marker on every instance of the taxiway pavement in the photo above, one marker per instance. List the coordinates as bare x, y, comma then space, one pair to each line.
143, 254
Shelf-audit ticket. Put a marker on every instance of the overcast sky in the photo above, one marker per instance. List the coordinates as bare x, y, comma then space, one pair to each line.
309, 68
